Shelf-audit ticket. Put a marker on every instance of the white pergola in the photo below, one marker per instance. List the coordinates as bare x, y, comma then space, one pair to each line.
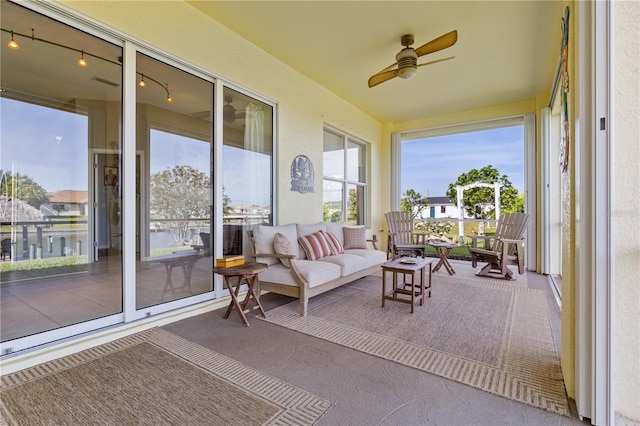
460, 192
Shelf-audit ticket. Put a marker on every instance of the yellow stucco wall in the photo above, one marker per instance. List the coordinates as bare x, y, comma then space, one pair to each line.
303, 105
569, 226
626, 208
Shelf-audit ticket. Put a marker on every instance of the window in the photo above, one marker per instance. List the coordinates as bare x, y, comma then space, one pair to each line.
344, 183
443, 209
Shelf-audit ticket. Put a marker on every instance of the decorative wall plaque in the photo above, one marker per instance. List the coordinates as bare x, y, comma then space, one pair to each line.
302, 175
564, 82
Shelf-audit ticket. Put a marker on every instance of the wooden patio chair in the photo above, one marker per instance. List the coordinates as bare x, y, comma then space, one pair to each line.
402, 240
507, 247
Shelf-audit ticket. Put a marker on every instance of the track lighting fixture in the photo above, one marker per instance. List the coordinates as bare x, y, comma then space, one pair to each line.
142, 83
169, 98
12, 43
82, 62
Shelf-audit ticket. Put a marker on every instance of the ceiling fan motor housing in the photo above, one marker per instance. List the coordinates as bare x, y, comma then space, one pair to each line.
407, 62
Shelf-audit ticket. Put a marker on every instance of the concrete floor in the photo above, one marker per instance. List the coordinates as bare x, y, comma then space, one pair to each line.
364, 389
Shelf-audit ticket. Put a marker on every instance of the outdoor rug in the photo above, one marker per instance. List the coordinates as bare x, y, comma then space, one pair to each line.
152, 378
487, 334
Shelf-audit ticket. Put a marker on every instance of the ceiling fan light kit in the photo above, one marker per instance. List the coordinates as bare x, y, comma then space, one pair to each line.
407, 61
406, 64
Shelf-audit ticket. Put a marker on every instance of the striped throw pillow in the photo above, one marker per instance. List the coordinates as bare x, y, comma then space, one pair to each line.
315, 246
334, 244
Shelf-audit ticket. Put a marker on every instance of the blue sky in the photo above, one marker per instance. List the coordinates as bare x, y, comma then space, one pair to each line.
54, 153
430, 165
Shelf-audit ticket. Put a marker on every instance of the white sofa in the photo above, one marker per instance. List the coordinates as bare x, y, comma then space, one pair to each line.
306, 278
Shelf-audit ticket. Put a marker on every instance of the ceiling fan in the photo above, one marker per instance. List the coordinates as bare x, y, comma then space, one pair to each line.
407, 58
229, 113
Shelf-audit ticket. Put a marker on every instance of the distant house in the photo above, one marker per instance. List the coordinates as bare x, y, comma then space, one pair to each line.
440, 207
68, 203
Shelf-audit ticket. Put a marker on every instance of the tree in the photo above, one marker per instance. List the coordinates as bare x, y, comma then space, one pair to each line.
179, 195
476, 201
413, 202
26, 189
352, 207
227, 209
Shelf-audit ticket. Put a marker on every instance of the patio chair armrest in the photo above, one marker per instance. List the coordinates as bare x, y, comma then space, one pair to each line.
511, 241
486, 238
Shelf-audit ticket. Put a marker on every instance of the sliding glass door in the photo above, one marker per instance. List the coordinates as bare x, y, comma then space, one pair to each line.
60, 102
175, 131
115, 210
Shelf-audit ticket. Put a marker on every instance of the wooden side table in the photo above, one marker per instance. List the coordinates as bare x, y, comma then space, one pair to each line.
249, 273
443, 250
400, 290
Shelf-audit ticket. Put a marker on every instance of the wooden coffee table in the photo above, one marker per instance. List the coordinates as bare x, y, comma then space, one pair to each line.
402, 290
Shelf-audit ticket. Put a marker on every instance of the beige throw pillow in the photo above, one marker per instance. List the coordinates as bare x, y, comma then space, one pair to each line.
282, 245
355, 238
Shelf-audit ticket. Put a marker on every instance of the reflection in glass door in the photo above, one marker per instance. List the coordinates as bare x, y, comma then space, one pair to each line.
54, 113
175, 133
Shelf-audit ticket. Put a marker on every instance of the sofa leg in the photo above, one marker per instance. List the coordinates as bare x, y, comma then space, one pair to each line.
303, 306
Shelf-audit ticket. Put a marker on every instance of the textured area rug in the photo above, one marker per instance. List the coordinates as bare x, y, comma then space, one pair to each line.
153, 377
487, 334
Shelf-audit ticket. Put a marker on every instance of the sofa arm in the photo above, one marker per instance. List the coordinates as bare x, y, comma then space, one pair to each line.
374, 242
274, 255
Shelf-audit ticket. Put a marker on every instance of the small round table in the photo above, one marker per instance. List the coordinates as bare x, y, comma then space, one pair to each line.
443, 250
249, 273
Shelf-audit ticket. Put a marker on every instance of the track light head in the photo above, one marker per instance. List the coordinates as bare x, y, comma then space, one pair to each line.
81, 61
12, 43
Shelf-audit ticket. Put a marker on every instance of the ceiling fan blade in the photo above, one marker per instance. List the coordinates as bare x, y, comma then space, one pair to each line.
436, 61
442, 42
388, 68
381, 77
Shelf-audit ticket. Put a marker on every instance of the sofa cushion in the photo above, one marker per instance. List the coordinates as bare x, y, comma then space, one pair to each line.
317, 273
282, 245
279, 274
315, 246
349, 263
263, 236
312, 271
336, 229
355, 238
307, 229
334, 244
373, 257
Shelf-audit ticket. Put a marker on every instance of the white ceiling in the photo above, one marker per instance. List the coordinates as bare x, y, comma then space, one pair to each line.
507, 51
